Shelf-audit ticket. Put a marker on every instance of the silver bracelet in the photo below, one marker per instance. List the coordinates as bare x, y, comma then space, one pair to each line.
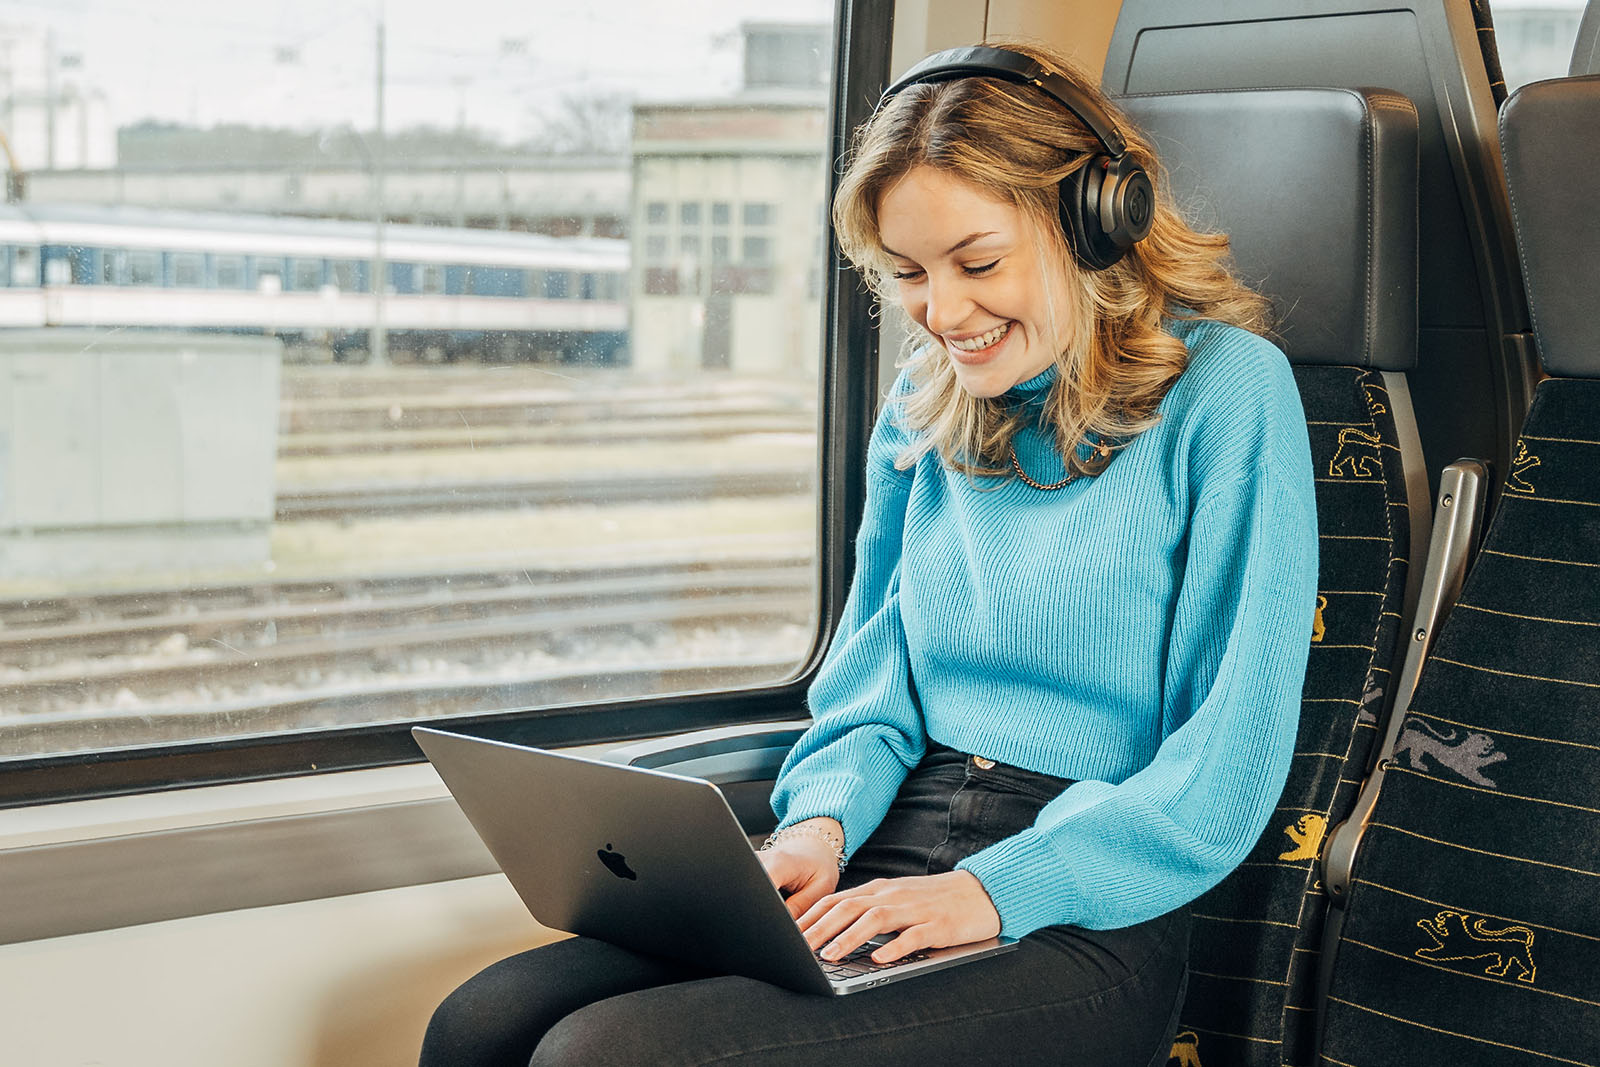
832, 840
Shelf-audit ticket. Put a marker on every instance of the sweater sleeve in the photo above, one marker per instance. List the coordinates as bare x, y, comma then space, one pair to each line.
1105, 855
867, 731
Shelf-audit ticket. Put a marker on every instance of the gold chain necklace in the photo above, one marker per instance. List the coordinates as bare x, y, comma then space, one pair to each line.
1103, 451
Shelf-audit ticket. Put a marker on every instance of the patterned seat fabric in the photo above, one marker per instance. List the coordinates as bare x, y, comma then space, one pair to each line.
1473, 928
1255, 940
1473, 933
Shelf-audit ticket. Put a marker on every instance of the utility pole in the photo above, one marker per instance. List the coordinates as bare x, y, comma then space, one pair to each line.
379, 355
50, 99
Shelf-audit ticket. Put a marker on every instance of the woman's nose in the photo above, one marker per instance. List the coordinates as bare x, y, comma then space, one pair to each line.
948, 305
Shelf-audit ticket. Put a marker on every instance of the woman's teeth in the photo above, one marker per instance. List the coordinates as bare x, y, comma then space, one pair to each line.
982, 341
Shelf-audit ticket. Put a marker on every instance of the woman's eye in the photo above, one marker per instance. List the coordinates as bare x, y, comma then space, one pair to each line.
984, 269
906, 275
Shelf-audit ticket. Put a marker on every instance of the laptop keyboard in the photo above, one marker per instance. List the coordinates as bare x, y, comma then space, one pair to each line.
861, 962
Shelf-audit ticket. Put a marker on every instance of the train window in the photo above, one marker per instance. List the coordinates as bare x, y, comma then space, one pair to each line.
305, 275
565, 474
557, 284
57, 271
188, 270
144, 268
228, 272
349, 275
269, 275
24, 266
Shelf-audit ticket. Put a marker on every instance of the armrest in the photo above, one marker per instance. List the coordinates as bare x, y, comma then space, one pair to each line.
1457, 525
727, 754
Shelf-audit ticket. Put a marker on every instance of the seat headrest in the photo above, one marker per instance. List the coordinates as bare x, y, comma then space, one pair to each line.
1317, 191
1550, 134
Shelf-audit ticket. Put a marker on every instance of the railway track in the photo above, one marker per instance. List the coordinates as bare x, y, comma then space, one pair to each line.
598, 487
251, 655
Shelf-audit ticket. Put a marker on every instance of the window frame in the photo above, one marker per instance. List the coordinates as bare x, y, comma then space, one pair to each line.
847, 403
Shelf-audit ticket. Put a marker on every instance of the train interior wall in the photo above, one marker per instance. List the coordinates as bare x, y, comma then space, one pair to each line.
345, 980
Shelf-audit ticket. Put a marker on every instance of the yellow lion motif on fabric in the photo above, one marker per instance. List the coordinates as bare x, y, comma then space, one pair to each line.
1457, 937
1186, 1049
1306, 834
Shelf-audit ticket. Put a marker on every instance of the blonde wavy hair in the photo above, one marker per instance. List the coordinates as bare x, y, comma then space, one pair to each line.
1016, 144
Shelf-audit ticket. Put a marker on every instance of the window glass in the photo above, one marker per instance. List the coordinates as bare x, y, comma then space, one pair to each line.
188, 270
1535, 39
229, 272
560, 460
305, 275
349, 275
24, 266
144, 268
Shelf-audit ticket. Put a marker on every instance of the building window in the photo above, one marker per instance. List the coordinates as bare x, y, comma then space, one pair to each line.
656, 213
721, 213
660, 281
758, 214
757, 251
689, 213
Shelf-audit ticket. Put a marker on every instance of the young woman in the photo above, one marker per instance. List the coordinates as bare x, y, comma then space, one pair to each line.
1063, 694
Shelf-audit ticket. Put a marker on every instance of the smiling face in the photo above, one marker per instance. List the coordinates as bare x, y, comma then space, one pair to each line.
968, 271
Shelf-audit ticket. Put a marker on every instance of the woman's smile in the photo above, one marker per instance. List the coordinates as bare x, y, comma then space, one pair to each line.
979, 348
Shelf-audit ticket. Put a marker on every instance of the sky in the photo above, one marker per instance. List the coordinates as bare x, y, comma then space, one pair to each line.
492, 64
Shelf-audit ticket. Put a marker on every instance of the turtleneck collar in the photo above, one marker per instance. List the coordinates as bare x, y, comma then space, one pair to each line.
1035, 388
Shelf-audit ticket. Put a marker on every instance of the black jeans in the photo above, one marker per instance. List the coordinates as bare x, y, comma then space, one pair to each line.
1065, 996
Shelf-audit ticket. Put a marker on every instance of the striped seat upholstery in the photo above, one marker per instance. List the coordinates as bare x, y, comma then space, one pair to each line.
1473, 927
1281, 171
1252, 970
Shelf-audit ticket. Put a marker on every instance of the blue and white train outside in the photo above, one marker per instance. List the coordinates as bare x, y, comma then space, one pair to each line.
452, 294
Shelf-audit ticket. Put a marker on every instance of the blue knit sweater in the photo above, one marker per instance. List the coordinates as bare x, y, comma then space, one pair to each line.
1143, 633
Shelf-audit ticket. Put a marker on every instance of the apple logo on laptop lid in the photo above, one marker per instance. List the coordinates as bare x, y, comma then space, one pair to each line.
615, 863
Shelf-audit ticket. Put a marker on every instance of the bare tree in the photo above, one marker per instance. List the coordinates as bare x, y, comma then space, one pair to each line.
588, 125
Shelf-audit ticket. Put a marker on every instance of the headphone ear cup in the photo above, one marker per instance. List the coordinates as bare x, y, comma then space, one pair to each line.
1106, 207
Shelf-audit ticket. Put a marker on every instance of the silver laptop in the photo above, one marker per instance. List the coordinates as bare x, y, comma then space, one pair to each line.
651, 861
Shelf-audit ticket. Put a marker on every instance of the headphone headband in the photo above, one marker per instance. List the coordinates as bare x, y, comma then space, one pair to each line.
1107, 205
982, 61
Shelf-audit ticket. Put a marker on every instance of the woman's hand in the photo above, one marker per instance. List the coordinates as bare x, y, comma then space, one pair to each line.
930, 911
804, 867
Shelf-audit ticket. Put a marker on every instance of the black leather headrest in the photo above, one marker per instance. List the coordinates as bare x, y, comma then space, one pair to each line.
1550, 134
1317, 190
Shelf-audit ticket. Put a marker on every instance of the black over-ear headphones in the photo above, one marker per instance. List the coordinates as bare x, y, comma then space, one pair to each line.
1108, 203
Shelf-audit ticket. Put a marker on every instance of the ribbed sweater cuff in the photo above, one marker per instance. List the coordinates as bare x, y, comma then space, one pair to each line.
846, 797
1027, 881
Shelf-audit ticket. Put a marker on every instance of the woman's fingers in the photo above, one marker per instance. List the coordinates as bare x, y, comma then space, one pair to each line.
929, 912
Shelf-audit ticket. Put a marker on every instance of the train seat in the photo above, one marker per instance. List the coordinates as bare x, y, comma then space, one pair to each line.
1586, 50
1281, 171
1474, 366
1470, 934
